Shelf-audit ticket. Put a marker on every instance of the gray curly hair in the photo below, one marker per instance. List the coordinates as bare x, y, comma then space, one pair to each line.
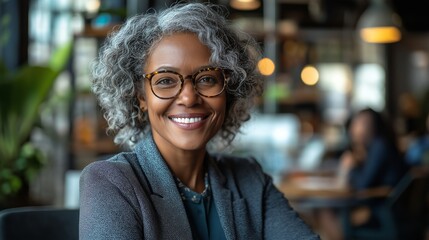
117, 70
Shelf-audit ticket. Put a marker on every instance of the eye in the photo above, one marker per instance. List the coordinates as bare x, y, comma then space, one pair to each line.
165, 82
207, 80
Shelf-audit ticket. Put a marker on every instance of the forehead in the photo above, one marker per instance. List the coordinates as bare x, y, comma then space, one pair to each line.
182, 51
362, 118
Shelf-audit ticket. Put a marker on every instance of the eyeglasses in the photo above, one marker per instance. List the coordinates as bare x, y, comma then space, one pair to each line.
207, 82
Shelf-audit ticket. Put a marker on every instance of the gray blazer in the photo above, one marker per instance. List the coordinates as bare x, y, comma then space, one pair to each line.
134, 196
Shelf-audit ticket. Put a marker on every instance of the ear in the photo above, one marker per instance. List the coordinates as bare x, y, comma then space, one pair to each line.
142, 102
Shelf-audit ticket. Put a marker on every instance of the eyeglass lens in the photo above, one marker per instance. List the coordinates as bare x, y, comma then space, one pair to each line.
167, 84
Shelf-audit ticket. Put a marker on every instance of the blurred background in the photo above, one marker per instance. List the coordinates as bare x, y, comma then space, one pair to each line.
324, 61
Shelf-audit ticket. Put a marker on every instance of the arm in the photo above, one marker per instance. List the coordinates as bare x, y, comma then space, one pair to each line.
366, 175
280, 220
108, 204
347, 163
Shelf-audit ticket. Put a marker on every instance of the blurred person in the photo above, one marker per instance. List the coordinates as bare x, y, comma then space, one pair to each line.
372, 158
311, 143
407, 125
170, 83
417, 153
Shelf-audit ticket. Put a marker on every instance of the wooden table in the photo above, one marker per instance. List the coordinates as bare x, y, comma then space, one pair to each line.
316, 197
323, 190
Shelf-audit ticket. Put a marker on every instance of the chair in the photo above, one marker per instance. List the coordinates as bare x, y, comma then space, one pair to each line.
47, 223
400, 215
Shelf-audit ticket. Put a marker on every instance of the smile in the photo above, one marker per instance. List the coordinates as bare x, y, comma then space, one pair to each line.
187, 120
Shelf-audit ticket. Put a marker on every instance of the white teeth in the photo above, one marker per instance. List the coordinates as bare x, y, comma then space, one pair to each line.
187, 120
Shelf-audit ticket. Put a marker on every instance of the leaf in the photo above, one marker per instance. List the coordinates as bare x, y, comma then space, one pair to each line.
60, 57
9, 183
21, 97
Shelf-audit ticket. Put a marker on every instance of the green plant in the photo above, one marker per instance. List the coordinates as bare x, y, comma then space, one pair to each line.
21, 94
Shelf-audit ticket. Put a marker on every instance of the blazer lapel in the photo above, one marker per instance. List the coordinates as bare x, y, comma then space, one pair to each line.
165, 196
222, 197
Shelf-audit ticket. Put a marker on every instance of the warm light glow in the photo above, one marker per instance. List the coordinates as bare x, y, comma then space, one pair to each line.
310, 75
381, 34
266, 66
245, 4
92, 6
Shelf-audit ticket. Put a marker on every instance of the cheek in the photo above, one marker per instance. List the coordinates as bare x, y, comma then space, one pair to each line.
356, 130
155, 106
219, 105
360, 130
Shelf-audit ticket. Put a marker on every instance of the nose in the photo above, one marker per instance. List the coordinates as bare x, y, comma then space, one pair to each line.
188, 95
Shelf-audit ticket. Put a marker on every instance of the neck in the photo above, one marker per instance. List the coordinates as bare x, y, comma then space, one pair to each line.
187, 165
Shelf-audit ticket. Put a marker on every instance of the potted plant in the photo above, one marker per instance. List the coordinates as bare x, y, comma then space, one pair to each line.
21, 94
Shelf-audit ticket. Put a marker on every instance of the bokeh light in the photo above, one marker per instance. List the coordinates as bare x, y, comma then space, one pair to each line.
266, 66
310, 75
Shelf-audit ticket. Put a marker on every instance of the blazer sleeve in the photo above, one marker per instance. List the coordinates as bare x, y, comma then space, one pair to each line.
108, 205
280, 220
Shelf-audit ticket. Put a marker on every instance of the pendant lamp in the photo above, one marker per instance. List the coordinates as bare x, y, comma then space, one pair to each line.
379, 23
246, 5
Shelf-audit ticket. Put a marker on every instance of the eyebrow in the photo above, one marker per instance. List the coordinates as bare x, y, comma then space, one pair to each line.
169, 68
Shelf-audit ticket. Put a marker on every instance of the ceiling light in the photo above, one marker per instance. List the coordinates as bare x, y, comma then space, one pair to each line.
379, 24
245, 4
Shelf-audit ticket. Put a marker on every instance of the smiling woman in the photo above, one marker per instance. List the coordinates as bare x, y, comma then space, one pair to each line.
170, 83
171, 118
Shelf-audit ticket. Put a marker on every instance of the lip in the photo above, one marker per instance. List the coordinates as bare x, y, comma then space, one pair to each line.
187, 117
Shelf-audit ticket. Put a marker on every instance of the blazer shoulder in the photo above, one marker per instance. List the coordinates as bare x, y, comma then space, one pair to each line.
117, 167
119, 161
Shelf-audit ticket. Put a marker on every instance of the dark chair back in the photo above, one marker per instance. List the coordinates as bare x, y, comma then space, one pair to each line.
403, 214
47, 223
409, 204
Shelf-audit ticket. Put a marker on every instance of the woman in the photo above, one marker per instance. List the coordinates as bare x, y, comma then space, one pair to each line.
373, 159
169, 84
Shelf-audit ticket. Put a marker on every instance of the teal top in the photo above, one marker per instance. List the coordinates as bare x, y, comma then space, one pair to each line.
201, 211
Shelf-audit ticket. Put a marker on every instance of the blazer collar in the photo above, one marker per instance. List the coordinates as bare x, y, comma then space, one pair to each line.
155, 168
165, 196
167, 199
222, 197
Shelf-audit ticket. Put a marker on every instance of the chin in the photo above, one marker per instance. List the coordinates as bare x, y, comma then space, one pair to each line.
190, 143
191, 146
